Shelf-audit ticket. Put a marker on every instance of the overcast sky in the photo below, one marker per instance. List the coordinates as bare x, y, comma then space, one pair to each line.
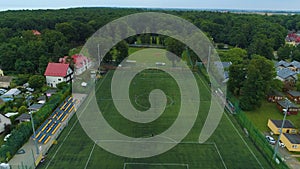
201, 4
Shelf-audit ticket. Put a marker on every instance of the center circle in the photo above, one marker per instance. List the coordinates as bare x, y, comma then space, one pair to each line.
170, 101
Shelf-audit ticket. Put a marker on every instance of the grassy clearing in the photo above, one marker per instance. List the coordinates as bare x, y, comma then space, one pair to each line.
268, 110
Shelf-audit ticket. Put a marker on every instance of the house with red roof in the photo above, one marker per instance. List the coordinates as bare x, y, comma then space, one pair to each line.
81, 63
58, 72
36, 32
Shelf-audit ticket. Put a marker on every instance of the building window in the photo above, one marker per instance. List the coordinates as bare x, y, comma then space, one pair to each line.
295, 146
59, 79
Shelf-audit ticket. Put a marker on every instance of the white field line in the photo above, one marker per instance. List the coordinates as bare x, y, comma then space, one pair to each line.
71, 128
220, 156
157, 164
236, 129
88, 160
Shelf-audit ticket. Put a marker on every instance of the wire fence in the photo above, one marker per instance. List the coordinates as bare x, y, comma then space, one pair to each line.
249, 128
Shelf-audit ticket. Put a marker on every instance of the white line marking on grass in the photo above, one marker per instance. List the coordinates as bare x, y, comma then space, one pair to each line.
235, 128
220, 156
73, 126
88, 160
157, 164
244, 141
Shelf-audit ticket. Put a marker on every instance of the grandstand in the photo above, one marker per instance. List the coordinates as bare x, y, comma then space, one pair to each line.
53, 123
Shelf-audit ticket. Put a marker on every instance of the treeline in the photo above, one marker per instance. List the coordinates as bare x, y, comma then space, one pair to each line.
62, 30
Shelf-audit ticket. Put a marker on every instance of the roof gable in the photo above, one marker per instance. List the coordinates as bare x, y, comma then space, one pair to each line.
57, 69
285, 73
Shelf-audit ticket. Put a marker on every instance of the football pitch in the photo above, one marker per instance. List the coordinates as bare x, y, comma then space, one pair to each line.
227, 148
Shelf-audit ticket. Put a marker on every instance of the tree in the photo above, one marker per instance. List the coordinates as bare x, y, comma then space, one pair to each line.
296, 55
284, 52
298, 83
175, 47
22, 109
62, 85
237, 75
234, 55
36, 81
260, 73
122, 51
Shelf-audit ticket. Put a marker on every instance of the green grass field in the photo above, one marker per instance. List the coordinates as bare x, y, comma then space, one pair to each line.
227, 148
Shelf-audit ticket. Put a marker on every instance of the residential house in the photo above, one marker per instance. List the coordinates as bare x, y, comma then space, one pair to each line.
36, 32
286, 74
293, 66
23, 118
81, 63
5, 81
283, 105
294, 96
35, 107
4, 121
223, 67
275, 126
58, 72
274, 96
291, 141
9, 95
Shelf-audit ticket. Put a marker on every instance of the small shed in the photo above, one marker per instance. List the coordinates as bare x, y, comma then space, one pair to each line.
35, 107
275, 96
275, 126
291, 141
23, 118
294, 96
287, 104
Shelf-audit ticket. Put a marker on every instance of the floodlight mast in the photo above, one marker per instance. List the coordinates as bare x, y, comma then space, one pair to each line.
282, 124
34, 135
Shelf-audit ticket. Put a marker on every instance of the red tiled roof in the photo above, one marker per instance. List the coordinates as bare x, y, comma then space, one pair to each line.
57, 69
36, 32
79, 60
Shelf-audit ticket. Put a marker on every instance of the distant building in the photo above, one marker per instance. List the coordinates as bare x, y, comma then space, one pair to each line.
282, 105
5, 81
58, 72
36, 32
3, 122
223, 67
275, 96
35, 107
23, 118
275, 126
291, 141
81, 63
294, 96
286, 74
9, 95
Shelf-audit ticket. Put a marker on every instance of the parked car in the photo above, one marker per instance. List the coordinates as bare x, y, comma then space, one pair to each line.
281, 144
270, 139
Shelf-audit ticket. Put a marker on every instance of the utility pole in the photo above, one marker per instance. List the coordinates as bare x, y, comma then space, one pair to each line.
208, 58
35, 141
99, 56
282, 125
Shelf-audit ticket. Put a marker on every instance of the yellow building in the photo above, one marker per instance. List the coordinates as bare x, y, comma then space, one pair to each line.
275, 126
291, 141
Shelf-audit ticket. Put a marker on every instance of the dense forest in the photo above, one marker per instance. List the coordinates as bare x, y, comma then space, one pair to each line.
62, 30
